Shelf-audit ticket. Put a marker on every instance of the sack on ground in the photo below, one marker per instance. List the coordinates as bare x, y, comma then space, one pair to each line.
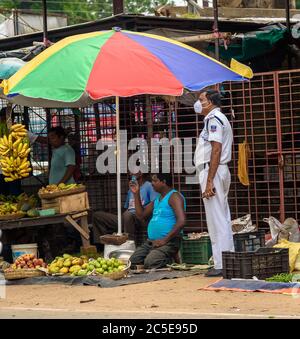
294, 251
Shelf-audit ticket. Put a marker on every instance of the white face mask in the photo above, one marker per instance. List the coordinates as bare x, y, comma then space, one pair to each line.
198, 107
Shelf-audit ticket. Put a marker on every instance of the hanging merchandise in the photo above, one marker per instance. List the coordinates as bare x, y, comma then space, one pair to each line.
14, 151
244, 154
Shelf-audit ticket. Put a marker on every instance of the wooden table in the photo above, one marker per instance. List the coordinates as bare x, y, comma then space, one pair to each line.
71, 218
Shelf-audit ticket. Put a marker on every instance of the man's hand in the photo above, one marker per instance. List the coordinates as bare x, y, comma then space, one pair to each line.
134, 187
209, 190
158, 243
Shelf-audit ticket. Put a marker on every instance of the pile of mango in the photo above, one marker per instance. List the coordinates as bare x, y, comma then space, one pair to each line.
14, 151
82, 266
58, 188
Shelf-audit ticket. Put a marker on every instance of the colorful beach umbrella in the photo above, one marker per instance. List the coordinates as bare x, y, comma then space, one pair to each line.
83, 69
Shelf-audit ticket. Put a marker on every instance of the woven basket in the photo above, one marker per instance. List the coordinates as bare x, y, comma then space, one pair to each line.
22, 273
113, 239
15, 216
118, 275
61, 193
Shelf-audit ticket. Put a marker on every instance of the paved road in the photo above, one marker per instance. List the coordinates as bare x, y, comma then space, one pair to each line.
44, 313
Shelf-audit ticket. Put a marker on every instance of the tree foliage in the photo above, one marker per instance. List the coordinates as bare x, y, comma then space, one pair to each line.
83, 10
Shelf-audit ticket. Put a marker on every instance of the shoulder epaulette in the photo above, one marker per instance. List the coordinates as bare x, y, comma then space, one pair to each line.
213, 117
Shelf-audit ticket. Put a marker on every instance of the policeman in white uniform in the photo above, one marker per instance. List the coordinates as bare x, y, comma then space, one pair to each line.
212, 155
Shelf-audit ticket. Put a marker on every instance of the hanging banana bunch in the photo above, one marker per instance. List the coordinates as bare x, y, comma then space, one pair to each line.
14, 151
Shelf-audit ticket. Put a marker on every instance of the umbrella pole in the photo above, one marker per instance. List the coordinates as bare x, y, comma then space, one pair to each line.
118, 165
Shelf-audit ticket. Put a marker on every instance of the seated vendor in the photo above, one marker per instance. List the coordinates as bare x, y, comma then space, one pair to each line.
63, 162
107, 223
164, 228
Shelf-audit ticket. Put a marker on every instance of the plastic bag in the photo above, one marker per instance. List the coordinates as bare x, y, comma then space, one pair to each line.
292, 226
289, 230
9, 66
243, 225
294, 250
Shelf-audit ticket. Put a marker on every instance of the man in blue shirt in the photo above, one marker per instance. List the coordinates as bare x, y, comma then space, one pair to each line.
63, 158
165, 226
107, 223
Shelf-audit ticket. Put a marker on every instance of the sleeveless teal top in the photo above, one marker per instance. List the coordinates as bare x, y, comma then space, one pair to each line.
163, 217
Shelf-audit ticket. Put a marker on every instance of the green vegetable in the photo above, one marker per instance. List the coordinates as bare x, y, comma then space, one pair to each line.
283, 277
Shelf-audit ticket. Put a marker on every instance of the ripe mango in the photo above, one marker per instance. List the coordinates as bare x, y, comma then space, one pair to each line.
77, 261
74, 269
64, 270
60, 263
53, 269
67, 263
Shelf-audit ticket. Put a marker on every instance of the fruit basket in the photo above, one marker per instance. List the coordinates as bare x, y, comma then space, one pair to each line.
113, 239
118, 275
83, 266
14, 216
22, 273
61, 193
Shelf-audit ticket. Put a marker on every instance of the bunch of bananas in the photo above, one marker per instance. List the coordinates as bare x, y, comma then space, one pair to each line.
14, 151
8, 208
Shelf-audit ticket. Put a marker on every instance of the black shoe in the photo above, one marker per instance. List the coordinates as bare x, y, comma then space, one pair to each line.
214, 273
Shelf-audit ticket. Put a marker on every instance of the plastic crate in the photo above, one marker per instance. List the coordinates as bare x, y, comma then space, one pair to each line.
195, 251
263, 263
249, 242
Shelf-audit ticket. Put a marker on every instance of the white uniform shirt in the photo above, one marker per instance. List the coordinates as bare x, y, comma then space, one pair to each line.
216, 128
32, 138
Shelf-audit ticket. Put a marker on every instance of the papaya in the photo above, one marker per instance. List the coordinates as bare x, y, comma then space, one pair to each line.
33, 213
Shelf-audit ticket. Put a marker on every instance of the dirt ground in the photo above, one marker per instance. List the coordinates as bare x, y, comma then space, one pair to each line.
176, 298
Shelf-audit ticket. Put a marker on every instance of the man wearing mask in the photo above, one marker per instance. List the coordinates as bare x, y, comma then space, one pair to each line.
211, 159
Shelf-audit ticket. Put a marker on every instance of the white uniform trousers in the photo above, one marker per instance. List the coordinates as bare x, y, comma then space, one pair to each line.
218, 213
